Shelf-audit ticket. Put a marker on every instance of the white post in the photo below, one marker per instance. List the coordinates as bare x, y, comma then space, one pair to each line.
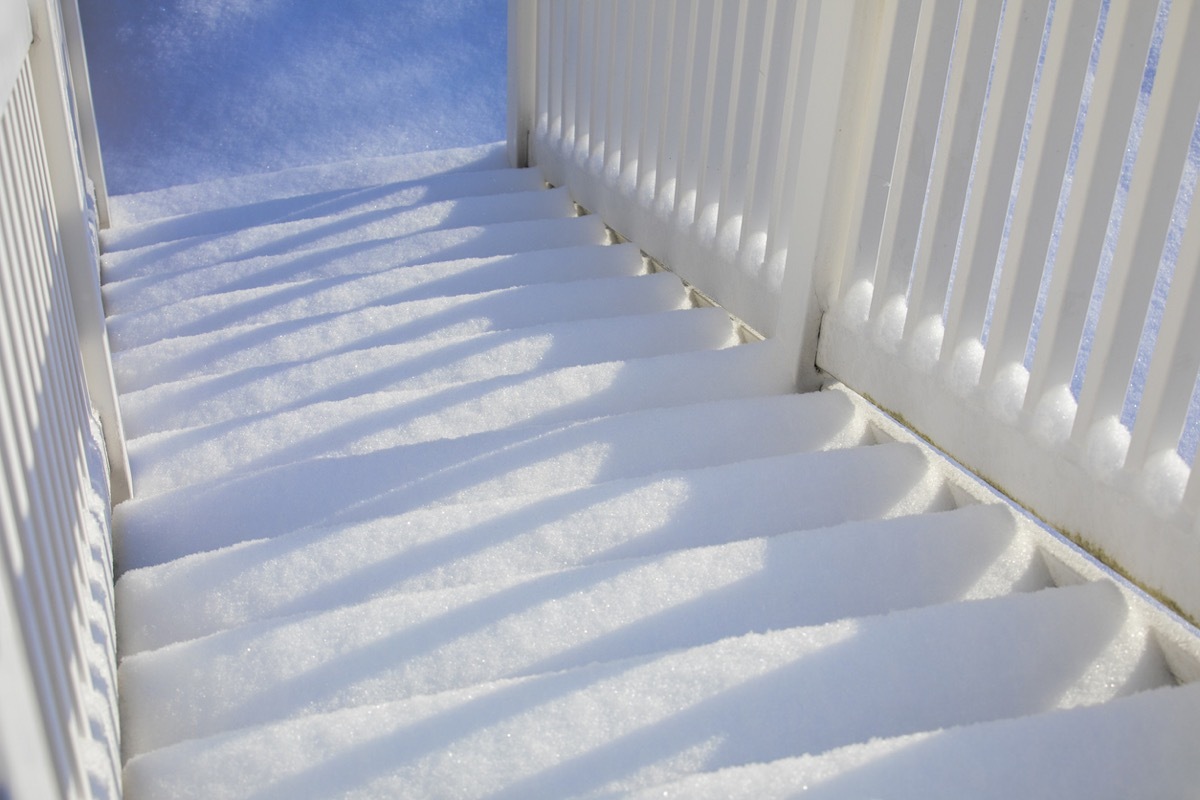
522, 78
821, 177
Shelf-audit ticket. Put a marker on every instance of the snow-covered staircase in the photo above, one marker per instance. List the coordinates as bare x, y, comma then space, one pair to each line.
441, 494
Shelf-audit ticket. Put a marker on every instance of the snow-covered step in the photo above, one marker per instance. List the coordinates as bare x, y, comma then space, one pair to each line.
290, 336
448, 545
314, 298
619, 726
365, 257
495, 464
348, 227
454, 315
380, 420
416, 282
299, 182
1139, 746
422, 365
235, 348
409, 644
397, 194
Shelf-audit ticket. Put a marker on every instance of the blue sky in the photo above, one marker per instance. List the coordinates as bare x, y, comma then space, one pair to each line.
189, 90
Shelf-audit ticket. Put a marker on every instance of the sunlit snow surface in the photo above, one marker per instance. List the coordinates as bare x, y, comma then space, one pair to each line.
439, 494
190, 90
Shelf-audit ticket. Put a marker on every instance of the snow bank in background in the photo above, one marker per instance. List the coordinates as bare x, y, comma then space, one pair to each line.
192, 90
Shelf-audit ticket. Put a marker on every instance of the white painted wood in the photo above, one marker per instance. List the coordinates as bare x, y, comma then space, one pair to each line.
1162, 154
52, 86
999, 143
1176, 360
914, 151
1070, 44
951, 173
1118, 77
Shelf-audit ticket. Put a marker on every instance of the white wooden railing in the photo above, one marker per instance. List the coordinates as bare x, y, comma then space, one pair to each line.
908, 198
61, 464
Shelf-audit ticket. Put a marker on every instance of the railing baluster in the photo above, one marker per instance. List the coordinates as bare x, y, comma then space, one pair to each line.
700, 65
639, 30
1000, 140
556, 69
684, 74
1176, 360
659, 45
1072, 34
951, 173
48, 612
745, 134
603, 86
769, 142
783, 186
914, 152
882, 116
720, 114
1118, 76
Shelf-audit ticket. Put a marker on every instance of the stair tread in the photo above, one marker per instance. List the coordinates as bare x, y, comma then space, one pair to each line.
416, 282
444, 545
383, 220
389, 418
408, 644
397, 194
494, 464
364, 257
452, 315
623, 725
423, 364
1138, 746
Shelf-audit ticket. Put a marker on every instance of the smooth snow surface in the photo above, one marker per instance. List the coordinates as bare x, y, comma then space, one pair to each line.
439, 494
193, 90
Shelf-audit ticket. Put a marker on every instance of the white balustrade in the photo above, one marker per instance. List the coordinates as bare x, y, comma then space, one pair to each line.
932, 183
58, 718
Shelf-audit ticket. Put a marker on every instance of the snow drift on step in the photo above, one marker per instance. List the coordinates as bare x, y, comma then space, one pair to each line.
371, 422
424, 365
383, 219
434, 320
1140, 746
303, 298
409, 644
449, 545
362, 257
475, 312
495, 464
623, 725
320, 203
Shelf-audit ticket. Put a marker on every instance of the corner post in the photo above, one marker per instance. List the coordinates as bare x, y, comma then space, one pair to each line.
522, 78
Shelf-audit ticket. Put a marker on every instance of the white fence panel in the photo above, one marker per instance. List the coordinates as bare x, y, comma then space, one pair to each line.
976, 340
58, 720
689, 126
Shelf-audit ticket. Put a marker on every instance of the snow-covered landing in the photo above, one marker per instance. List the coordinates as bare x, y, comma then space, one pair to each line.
439, 494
